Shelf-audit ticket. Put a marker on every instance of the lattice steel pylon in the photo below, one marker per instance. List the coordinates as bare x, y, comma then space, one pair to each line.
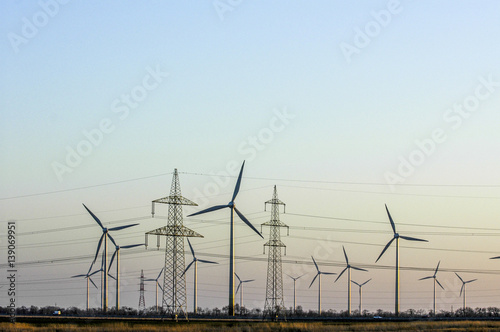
142, 302
174, 280
274, 305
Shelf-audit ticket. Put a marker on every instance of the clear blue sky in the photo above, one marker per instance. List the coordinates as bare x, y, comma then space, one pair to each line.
329, 100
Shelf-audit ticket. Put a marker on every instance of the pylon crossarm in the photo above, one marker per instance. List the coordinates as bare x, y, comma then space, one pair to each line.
174, 231
274, 243
176, 200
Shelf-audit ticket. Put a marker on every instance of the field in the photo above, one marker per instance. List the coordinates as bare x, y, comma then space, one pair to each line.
91, 325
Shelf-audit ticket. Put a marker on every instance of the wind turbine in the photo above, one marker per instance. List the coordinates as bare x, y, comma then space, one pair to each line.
396, 237
233, 208
195, 261
348, 268
241, 291
87, 276
435, 281
157, 285
104, 236
319, 283
360, 294
463, 287
117, 254
294, 280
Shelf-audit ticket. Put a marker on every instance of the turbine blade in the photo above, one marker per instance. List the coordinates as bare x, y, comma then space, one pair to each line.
159, 274
191, 247
149, 279
93, 216
237, 276
210, 209
246, 221
112, 240
439, 284
248, 280
390, 219
237, 187
459, 277
121, 227
317, 268
79, 275
329, 273
112, 259
93, 282
109, 275
437, 268
358, 268
497, 257
97, 252
366, 282
238, 288
340, 275
209, 262
187, 268
160, 288
312, 282
346, 259
386, 246
426, 278
354, 282
461, 289
94, 273
412, 238
132, 246
470, 281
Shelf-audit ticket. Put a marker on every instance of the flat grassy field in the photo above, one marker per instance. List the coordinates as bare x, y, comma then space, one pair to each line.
97, 326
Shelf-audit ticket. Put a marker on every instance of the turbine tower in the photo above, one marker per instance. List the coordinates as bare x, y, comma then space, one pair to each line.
318, 274
157, 285
174, 281
195, 261
294, 298
274, 304
348, 268
435, 281
361, 294
233, 208
105, 235
240, 288
463, 288
117, 254
396, 237
142, 302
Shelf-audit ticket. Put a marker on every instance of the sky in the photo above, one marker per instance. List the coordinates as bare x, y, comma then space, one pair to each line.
343, 106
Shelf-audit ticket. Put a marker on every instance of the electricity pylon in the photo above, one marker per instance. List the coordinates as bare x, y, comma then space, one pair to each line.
274, 305
142, 302
174, 280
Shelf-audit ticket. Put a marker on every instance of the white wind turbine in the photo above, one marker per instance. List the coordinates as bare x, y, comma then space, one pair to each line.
464, 288
319, 283
231, 205
348, 268
104, 236
294, 298
117, 254
157, 285
87, 276
360, 294
195, 261
240, 288
435, 281
396, 237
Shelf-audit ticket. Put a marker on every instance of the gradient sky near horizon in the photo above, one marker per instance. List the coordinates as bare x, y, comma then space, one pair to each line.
102, 100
